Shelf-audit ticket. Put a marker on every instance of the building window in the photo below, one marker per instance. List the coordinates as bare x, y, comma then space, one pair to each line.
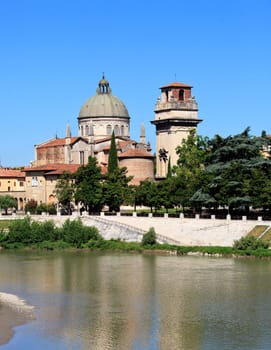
82, 160
34, 181
86, 130
108, 130
14, 183
8, 188
21, 184
122, 130
116, 130
181, 95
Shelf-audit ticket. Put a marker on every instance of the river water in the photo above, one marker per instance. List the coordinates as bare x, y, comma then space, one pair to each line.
85, 300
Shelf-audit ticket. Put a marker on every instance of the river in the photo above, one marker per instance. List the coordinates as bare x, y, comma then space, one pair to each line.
100, 301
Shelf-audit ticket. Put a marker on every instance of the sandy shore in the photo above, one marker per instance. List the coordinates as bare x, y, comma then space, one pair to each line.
13, 312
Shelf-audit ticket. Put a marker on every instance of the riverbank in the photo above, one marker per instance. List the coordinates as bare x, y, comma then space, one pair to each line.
13, 312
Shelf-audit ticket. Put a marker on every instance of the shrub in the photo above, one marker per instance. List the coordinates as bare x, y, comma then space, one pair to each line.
249, 243
76, 234
149, 238
31, 206
20, 231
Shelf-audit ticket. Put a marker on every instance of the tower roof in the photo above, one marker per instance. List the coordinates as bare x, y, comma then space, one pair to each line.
103, 104
176, 84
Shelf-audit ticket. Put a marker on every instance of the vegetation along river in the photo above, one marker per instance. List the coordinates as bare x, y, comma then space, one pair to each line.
100, 301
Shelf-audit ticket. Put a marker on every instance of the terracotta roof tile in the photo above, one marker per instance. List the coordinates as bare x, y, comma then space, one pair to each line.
57, 142
11, 173
176, 84
54, 168
135, 153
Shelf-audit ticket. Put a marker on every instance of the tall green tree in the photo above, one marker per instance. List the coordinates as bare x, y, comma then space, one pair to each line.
113, 156
232, 164
89, 187
64, 190
147, 194
116, 188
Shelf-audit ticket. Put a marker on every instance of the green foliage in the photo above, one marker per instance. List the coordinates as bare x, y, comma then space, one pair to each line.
64, 190
76, 234
7, 202
27, 232
31, 206
147, 194
149, 238
116, 188
88, 186
46, 208
249, 243
112, 156
192, 152
114, 244
30, 232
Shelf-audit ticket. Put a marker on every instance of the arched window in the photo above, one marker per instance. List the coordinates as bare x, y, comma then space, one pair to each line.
108, 130
116, 130
122, 130
181, 95
86, 129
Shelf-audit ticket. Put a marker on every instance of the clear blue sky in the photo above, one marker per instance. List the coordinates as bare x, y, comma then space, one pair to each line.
53, 53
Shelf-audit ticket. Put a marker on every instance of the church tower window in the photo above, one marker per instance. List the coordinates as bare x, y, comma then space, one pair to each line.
181, 95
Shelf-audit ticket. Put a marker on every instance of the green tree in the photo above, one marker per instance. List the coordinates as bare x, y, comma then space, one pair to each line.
64, 190
88, 186
116, 188
113, 156
232, 165
147, 194
7, 202
31, 206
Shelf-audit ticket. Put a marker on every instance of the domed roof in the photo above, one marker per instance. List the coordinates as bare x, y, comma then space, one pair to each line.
103, 104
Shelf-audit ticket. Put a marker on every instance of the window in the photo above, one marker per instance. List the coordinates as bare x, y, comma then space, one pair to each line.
116, 130
21, 183
87, 130
108, 130
181, 95
82, 157
34, 181
122, 130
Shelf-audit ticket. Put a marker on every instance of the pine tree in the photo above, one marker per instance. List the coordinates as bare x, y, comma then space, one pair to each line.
113, 156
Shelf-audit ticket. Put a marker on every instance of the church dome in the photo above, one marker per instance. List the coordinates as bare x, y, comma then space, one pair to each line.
103, 104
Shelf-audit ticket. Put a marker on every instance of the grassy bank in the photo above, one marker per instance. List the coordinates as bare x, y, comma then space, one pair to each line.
27, 234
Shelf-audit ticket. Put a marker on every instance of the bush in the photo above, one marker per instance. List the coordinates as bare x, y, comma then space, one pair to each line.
46, 208
149, 238
20, 231
31, 206
76, 234
250, 243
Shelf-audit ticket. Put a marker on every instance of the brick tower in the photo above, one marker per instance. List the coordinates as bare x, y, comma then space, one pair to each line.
176, 113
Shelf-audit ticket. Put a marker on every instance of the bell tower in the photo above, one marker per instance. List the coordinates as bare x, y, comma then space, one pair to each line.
176, 113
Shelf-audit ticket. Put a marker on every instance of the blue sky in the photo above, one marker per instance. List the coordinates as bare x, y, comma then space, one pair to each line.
53, 54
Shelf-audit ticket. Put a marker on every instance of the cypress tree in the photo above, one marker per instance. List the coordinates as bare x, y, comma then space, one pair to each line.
169, 170
112, 157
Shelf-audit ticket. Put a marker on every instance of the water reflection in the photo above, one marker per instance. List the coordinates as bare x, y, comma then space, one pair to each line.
116, 301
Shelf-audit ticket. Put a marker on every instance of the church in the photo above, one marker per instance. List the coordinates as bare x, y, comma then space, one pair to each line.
176, 113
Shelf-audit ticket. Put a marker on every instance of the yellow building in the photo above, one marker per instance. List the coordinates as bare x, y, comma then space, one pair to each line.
12, 182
